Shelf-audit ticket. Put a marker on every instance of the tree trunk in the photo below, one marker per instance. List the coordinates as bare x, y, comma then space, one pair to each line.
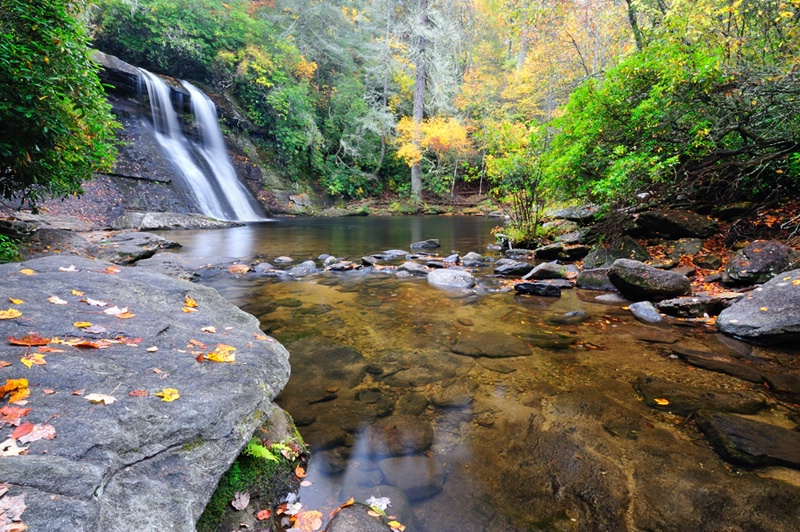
420, 80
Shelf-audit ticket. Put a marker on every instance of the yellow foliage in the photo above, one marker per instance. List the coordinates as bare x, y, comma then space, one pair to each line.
305, 69
168, 395
444, 136
223, 353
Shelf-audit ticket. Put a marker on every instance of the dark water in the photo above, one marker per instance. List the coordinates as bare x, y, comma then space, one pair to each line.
554, 438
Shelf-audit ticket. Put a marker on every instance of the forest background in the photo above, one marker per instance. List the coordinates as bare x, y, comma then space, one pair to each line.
597, 100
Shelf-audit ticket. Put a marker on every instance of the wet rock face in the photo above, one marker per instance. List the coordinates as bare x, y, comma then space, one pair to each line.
625, 248
676, 224
139, 463
758, 262
771, 313
751, 443
639, 281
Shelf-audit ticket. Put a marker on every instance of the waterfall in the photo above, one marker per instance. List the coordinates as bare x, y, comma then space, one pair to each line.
216, 189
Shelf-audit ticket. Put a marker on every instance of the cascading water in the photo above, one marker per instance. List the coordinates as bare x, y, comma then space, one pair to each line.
216, 155
218, 192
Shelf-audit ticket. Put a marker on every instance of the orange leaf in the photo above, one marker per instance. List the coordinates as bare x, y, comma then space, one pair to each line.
264, 514
197, 343
187, 309
32, 339
126, 315
300, 472
11, 415
22, 430
138, 393
16, 389
111, 269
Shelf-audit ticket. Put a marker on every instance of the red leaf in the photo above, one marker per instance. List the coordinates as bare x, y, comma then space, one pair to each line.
264, 514
22, 430
11, 415
29, 340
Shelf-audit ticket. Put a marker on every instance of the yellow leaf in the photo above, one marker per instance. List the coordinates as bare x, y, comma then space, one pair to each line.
10, 314
77, 293
82, 324
661, 401
223, 353
796, 282
764, 309
190, 302
168, 394
33, 359
15, 301
27, 271
188, 309
17, 390
125, 315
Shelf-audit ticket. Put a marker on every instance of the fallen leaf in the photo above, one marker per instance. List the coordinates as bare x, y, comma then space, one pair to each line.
126, 315
78, 392
12, 415
17, 390
11, 511
48, 391
10, 314
15, 301
71, 268
223, 353
32, 339
168, 395
187, 309
661, 401
50, 350
309, 521
300, 472
373, 513
94, 302
306, 483
86, 344
39, 432
34, 359
211, 330
97, 398
82, 324
200, 357
56, 300
264, 514
111, 269
77, 292
197, 343
796, 282
138, 393
240, 500
395, 526
4, 364
151, 349
10, 448
22, 430
764, 309
96, 329
27, 271
190, 302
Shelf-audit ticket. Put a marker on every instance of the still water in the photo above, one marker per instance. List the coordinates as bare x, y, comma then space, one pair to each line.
482, 410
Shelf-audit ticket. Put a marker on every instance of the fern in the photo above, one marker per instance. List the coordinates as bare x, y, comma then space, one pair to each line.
256, 450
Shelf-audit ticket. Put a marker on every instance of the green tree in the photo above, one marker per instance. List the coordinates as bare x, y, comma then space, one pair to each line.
57, 127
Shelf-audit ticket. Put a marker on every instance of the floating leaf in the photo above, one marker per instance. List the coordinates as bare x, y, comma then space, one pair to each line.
29, 340
138, 393
661, 401
82, 324
12, 415
56, 300
15, 301
16, 389
39, 432
10, 314
190, 302
27, 271
10, 448
34, 359
168, 395
240, 500
71, 268
223, 353
98, 398
77, 292
94, 302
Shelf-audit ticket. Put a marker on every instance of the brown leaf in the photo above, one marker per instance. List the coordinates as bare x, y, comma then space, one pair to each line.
32, 339
11, 510
111, 269
238, 269
4, 364
197, 343
240, 500
78, 392
138, 393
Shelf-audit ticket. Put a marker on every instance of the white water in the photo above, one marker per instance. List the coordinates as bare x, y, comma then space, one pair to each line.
217, 191
216, 155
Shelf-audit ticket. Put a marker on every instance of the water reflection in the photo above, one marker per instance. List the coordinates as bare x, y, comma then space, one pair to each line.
494, 412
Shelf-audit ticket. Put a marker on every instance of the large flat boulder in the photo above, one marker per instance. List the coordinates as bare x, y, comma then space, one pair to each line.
139, 463
676, 224
165, 221
771, 313
639, 281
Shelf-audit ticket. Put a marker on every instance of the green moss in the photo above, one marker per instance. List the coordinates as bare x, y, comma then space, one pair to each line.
192, 445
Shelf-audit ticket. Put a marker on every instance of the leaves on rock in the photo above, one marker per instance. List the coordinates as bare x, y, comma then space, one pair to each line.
95, 329
10, 448
29, 340
111, 269
138, 393
223, 353
238, 269
10, 314
115, 310
76, 292
240, 500
37, 432
55, 300
209, 329
33, 359
94, 302
16, 389
82, 324
27, 271
168, 395
11, 509
71, 268
15, 301
100, 398
190, 302
12, 415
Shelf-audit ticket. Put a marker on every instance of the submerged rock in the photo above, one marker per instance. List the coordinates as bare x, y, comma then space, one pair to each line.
639, 281
490, 344
418, 476
684, 400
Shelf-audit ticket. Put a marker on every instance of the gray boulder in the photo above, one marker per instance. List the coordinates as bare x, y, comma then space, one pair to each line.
303, 269
538, 289
451, 278
771, 313
513, 268
547, 270
164, 221
139, 463
676, 224
549, 252
698, 306
581, 214
645, 312
356, 517
624, 248
128, 248
757, 262
413, 268
431, 243
595, 279
639, 281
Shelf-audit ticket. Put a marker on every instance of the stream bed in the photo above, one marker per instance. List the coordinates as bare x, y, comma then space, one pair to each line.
484, 410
